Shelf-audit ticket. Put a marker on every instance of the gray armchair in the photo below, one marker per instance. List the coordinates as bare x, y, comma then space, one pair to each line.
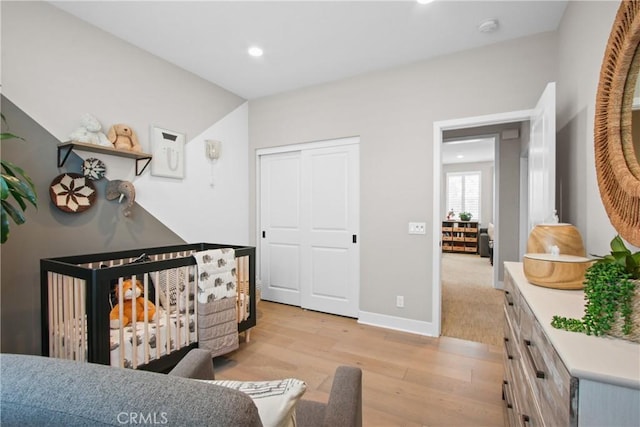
485, 243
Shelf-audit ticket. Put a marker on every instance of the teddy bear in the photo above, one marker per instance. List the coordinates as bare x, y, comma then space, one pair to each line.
130, 295
124, 138
90, 131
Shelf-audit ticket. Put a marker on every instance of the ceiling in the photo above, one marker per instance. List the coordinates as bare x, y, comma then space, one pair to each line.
470, 150
308, 42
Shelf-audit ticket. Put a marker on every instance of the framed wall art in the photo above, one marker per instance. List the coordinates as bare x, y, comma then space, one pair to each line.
168, 153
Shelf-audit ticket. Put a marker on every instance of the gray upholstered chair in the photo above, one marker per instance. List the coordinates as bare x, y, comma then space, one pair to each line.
344, 408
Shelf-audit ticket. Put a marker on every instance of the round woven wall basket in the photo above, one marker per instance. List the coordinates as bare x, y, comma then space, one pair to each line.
617, 167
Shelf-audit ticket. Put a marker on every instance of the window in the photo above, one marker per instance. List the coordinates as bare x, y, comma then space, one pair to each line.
463, 193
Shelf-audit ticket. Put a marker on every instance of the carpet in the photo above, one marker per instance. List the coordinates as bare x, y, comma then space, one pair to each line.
471, 307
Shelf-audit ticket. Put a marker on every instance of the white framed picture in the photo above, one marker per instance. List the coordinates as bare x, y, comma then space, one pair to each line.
168, 153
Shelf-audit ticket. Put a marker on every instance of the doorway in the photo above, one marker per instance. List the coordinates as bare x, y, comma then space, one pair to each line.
309, 225
471, 305
540, 184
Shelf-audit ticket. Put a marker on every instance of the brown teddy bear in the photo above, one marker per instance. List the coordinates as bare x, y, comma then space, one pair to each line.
130, 295
124, 138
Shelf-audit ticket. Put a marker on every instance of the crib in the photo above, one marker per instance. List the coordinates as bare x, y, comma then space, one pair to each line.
77, 297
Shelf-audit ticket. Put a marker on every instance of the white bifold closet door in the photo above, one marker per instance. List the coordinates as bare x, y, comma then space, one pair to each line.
309, 222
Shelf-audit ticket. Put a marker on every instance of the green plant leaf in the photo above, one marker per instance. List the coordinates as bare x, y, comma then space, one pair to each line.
20, 191
4, 188
4, 220
7, 135
16, 215
18, 172
16, 183
617, 245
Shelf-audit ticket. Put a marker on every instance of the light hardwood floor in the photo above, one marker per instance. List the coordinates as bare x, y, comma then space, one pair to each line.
408, 380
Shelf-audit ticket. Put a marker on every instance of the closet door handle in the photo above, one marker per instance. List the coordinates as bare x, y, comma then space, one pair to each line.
527, 347
354, 238
264, 234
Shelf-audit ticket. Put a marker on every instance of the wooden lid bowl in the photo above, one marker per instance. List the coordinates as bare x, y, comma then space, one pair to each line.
565, 236
556, 271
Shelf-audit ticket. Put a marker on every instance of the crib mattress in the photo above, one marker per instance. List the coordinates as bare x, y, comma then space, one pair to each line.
179, 330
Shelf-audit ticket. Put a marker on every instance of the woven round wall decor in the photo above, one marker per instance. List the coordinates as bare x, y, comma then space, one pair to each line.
72, 192
93, 168
617, 170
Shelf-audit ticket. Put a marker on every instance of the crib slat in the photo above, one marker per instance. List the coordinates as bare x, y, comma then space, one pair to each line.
157, 302
67, 306
121, 319
145, 340
83, 321
134, 316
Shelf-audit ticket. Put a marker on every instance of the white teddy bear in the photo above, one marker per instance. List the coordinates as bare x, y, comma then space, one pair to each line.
90, 132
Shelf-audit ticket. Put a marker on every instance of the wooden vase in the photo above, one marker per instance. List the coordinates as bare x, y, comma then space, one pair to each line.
556, 271
565, 236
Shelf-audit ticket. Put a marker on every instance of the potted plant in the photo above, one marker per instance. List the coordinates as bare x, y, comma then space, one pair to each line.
16, 189
465, 216
611, 288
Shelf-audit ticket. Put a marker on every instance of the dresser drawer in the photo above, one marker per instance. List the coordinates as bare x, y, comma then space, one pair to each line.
527, 410
511, 298
510, 415
552, 383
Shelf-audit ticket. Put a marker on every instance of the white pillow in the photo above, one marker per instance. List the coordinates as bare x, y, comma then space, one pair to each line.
490, 231
276, 400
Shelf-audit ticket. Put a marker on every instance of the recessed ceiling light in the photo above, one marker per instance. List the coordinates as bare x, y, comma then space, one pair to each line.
488, 26
255, 51
424, 1
460, 156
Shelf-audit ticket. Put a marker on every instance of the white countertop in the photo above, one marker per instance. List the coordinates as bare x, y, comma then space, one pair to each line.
602, 359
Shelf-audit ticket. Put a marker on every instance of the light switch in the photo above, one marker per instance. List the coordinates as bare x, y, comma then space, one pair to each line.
417, 228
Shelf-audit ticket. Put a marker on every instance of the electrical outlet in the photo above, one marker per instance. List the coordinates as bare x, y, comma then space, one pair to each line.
400, 301
417, 228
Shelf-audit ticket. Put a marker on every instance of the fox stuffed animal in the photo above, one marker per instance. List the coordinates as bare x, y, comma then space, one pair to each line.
131, 295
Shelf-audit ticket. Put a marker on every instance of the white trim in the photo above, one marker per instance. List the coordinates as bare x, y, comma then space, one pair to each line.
308, 145
397, 323
438, 128
348, 140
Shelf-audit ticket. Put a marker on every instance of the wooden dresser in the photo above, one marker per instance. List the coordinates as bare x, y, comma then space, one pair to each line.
558, 378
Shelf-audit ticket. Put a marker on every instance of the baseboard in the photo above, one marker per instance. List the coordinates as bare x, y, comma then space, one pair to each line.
397, 323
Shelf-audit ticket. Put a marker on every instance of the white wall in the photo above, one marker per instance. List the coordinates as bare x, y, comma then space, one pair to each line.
582, 39
211, 203
393, 113
56, 68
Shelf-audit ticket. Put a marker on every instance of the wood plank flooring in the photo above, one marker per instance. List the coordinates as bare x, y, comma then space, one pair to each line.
408, 380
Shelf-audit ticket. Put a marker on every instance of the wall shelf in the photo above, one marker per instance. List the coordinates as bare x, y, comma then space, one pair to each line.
64, 149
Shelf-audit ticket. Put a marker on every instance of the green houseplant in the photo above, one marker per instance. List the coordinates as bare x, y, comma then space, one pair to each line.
16, 190
611, 291
465, 216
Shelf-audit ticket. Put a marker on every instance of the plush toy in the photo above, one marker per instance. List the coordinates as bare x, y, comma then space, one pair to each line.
90, 131
124, 138
130, 295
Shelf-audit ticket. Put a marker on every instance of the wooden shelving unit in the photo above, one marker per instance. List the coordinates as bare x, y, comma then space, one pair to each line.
460, 236
142, 159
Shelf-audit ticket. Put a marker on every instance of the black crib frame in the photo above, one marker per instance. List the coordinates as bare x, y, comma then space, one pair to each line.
99, 281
